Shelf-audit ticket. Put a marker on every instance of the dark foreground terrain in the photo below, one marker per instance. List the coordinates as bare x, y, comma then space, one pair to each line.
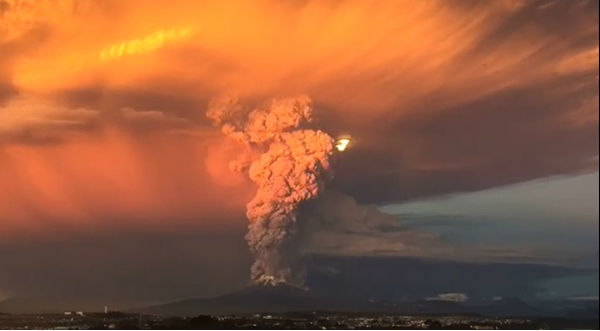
303, 320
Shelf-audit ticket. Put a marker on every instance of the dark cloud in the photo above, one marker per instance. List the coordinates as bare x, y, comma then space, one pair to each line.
512, 136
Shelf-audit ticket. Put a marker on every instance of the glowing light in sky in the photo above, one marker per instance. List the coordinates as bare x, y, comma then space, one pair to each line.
342, 143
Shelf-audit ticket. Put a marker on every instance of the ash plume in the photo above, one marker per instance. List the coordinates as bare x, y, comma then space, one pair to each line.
291, 166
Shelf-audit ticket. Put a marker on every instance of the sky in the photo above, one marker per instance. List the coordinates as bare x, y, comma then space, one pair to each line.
474, 132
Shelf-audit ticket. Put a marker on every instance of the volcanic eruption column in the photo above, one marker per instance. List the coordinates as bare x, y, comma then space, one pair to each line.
291, 166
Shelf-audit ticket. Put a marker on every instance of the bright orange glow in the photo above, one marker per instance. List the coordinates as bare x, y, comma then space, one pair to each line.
105, 180
341, 144
269, 48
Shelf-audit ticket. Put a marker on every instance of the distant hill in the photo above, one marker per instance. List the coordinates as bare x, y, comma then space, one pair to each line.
269, 299
511, 307
277, 299
252, 299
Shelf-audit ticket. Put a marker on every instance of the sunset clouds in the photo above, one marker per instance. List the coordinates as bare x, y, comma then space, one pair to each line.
102, 102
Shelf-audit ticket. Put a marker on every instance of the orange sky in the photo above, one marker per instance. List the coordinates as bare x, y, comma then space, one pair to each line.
113, 177
102, 103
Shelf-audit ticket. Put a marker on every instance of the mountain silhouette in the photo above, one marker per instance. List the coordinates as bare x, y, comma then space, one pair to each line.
251, 299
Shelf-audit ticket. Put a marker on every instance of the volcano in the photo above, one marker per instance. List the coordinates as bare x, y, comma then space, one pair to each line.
284, 298
394, 285
256, 299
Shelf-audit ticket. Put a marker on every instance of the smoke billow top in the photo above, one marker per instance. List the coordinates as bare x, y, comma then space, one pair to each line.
291, 167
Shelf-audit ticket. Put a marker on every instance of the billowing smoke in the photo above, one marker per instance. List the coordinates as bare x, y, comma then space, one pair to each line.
291, 166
